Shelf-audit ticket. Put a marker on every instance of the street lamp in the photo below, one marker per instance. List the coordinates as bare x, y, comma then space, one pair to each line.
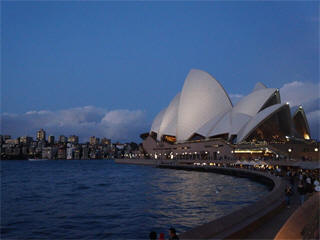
316, 149
289, 150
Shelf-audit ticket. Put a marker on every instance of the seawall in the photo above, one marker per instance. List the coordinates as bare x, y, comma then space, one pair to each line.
150, 162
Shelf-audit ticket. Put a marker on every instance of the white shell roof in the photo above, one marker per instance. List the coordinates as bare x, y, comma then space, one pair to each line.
297, 110
252, 103
168, 125
233, 121
256, 120
238, 121
259, 86
206, 128
157, 121
223, 126
202, 98
203, 107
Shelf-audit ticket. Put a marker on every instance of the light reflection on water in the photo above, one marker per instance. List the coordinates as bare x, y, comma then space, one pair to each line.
100, 199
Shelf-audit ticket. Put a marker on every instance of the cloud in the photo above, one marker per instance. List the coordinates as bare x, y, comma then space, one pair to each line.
119, 125
315, 19
297, 93
313, 120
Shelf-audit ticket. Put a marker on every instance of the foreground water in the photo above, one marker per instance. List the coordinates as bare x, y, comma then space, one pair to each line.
98, 199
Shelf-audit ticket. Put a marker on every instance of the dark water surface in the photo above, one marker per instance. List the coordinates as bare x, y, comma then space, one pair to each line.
98, 199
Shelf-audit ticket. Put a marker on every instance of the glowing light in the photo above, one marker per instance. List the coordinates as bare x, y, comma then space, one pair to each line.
306, 136
289, 150
248, 151
316, 149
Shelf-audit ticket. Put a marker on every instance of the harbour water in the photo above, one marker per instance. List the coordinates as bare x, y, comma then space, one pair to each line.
98, 199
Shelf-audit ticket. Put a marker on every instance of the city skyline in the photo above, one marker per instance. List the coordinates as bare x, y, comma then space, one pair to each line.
106, 69
45, 146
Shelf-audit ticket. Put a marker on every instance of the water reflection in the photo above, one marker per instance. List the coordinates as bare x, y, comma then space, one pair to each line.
186, 198
100, 199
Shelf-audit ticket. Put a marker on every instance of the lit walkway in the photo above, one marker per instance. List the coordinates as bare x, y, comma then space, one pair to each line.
270, 228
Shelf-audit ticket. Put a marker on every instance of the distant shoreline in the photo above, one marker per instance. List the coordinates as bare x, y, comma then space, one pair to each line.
19, 159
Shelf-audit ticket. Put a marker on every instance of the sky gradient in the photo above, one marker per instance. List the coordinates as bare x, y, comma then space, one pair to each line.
85, 60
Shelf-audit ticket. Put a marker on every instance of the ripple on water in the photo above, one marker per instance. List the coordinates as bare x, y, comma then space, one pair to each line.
233, 202
112, 201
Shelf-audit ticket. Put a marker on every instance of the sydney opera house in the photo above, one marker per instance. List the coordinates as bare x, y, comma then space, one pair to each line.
201, 122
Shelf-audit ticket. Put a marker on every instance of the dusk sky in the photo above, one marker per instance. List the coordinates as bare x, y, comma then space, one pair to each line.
107, 68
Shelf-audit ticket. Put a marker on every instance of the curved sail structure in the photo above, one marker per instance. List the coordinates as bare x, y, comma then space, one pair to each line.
169, 121
202, 98
203, 110
155, 127
300, 123
278, 126
259, 86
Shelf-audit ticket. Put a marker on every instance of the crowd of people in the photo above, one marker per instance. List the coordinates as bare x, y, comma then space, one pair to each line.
304, 182
172, 235
301, 181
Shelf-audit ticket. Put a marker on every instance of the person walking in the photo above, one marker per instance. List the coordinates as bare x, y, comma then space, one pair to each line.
173, 234
309, 186
161, 237
288, 194
153, 235
302, 191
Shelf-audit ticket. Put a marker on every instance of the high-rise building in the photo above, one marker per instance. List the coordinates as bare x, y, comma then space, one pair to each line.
85, 152
41, 135
5, 137
25, 140
62, 153
70, 152
49, 152
51, 139
105, 141
73, 139
12, 141
77, 153
94, 140
63, 139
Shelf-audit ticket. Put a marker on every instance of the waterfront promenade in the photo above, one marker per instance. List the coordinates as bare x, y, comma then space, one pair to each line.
261, 220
